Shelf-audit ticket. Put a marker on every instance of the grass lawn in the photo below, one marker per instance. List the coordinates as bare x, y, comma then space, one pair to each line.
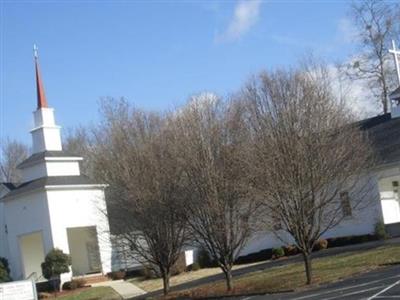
95, 293
292, 276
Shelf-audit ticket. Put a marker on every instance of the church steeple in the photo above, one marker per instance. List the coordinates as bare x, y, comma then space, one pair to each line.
46, 134
41, 97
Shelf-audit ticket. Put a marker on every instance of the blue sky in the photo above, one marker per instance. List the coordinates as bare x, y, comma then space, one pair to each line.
154, 53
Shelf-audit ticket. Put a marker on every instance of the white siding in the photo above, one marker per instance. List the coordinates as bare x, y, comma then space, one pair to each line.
3, 242
46, 134
361, 222
27, 214
80, 208
62, 168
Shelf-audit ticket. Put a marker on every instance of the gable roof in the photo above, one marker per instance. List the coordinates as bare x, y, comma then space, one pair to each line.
50, 181
384, 134
395, 92
41, 155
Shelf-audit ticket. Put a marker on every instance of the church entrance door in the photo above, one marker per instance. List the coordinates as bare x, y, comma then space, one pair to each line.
389, 189
32, 253
84, 250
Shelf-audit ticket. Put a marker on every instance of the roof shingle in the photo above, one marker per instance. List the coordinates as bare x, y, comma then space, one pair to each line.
50, 181
8, 185
384, 134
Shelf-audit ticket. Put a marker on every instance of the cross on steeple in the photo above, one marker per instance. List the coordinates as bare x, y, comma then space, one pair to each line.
35, 51
395, 53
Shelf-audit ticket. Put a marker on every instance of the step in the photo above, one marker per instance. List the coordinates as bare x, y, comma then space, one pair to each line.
95, 278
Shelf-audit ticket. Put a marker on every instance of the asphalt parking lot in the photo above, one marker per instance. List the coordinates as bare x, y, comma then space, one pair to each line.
380, 284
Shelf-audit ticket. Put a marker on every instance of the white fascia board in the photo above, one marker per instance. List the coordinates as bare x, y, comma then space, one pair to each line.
63, 158
57, 187
75, 186
45, 126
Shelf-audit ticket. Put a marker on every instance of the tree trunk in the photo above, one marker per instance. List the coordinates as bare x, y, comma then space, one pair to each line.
308, 267
384, 94
165, 276
229, 279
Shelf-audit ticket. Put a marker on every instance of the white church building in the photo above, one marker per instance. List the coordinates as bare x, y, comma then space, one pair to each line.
55, 206
382, 202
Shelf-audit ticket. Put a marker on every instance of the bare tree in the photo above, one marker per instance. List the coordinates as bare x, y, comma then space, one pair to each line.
79, 141
135, 155
377, 22
213, 148
12, 153
310, 160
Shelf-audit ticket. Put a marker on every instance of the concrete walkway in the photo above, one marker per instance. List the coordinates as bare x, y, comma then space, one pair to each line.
126, 289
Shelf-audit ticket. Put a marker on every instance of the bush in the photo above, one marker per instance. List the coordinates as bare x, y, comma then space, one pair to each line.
180, 265
117, 275
74, 284
350, 240
255, 257
67, 286
4, 270
195, 267
380, 231
55, 263
320, 245
278, 252
79, 282
148, 272
44, 295
4, 276
132, 273
205, 260
47, 286
291, 250
4, 261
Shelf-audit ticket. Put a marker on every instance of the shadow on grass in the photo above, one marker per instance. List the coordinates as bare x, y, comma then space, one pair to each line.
223, 295
395, 263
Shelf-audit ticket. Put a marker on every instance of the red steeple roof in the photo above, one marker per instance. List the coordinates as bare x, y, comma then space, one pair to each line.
41, 97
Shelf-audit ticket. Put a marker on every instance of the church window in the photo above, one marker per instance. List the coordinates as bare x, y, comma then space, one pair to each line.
395, 185
345, 202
